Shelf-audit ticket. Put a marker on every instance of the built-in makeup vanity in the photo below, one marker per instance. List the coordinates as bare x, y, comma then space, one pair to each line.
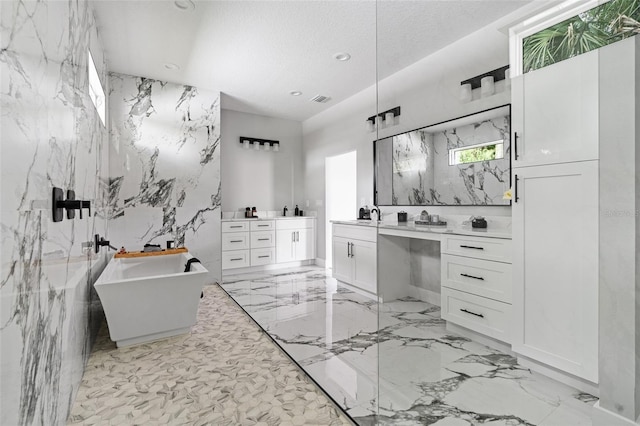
467, 270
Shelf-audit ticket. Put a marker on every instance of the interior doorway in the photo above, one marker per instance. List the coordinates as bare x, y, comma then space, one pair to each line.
340, 193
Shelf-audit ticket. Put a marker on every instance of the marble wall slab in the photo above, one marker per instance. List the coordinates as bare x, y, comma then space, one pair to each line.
51, 135
165, 167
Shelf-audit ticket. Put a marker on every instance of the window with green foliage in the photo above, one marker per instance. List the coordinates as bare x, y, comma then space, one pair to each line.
595, 28
474, 153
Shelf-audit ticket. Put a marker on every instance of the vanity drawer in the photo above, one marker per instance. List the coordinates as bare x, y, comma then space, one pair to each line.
262, 225
497, 249
264, 256
235, 241
294, 223
235, 226
477, 313
480, 277
356, 232
262, 239
235, 259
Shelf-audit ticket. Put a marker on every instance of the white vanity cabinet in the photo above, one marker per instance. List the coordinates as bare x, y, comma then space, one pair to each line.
248, 243
354, 256
476, 278
295, 240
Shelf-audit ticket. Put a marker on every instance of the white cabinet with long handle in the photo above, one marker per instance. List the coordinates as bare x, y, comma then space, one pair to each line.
354, 256
555, 215
295, 240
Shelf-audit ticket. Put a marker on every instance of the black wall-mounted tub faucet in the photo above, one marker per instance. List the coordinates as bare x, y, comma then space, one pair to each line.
99, 241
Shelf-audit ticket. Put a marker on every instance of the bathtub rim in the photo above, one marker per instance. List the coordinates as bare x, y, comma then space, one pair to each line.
199, 270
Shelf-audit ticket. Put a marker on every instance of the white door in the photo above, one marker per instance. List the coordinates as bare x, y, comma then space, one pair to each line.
364, 265
555, 266
342, 259
556, 111
285, 246
341, 195
304, 246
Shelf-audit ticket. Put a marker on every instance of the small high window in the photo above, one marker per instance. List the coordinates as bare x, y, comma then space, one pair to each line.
479, 152
96, 92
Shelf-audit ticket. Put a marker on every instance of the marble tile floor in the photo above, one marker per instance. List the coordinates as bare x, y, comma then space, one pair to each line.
395, 363
225, 372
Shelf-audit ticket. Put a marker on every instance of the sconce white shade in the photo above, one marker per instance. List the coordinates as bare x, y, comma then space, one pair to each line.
507, 77
465, 92
487, 87
256, 146
389, 119
245, 144
371, 125
276, 147
267, 146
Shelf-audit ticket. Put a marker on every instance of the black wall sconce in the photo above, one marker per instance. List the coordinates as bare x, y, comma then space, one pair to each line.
388, 117
484, 81
255, 143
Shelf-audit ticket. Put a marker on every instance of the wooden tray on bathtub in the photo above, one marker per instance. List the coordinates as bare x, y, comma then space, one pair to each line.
151, 253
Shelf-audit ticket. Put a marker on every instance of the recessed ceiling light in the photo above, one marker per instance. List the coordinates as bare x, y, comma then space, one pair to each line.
342, 56
184, 4
171, 66
295, 93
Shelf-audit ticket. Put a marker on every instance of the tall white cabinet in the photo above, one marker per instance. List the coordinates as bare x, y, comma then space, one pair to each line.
555, 215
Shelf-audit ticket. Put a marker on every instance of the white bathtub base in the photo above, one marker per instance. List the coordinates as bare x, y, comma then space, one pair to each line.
152, 337
150, 298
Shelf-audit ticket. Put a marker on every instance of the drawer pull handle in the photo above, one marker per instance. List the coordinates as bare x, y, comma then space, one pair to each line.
263, 225
235, 241
472, 313
237, 258
471, 276
263, 239
236, 226
472, 247
262, 257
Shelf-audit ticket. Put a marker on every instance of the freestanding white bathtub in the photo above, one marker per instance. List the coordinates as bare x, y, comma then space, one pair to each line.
150, 298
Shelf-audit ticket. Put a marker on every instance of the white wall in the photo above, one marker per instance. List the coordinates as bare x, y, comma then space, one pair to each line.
427, 92
266, 180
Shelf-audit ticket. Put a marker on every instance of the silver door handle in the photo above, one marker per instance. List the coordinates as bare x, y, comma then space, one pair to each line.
297, 235
348, 249
352, 255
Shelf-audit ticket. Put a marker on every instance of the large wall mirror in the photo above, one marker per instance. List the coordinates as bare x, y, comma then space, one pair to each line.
461, 162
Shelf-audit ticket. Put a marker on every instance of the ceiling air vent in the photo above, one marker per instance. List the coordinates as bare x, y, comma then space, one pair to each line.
320, 99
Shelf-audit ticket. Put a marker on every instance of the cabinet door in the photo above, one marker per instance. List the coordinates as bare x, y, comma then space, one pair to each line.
364, 265
304, 244
555, 113
341, 259
555, 266
285, 246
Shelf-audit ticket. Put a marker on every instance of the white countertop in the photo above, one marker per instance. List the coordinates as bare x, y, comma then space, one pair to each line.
237, 219
412, 227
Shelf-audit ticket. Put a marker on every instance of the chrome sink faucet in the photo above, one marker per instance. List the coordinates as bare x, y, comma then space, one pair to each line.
377, 210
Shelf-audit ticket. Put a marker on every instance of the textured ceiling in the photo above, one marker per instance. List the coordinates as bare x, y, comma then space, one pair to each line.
256, 52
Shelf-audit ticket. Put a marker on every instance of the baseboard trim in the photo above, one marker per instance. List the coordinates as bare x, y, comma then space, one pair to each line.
603, 417
560, 376
480, 338
271, 267
321, 262
425, 295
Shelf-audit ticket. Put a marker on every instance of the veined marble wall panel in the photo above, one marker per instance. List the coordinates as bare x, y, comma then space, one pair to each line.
165, 167
51, 135
481, 183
